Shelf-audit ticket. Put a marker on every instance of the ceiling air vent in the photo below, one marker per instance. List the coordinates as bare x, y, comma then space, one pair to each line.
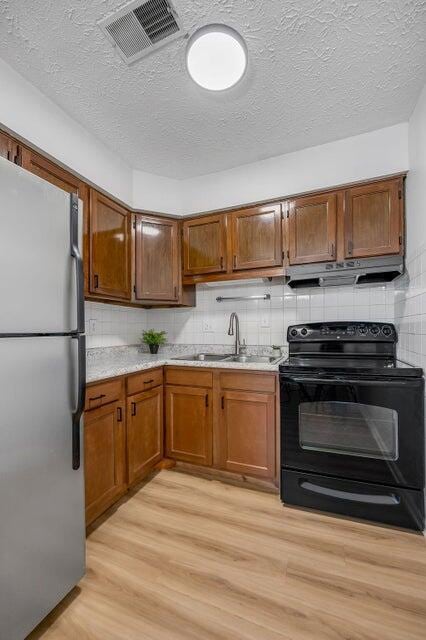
140, 28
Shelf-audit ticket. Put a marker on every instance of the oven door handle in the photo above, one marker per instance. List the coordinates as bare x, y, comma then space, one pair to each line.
389, 499
340, 381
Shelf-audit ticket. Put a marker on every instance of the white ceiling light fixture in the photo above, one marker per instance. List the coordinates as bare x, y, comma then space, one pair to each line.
216, 57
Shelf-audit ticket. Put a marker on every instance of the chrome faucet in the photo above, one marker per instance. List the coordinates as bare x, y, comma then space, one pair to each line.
237, 331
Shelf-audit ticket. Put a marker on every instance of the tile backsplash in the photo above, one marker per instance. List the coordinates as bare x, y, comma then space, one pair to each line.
262, 322
265, 322
410, 309
109, 325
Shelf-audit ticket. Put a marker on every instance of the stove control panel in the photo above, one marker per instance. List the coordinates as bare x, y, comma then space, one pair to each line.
344, 331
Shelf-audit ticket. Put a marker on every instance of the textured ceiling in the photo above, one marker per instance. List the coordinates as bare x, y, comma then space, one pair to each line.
319, 70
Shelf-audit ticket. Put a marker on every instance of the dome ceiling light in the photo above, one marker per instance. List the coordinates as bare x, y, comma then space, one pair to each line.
216, 57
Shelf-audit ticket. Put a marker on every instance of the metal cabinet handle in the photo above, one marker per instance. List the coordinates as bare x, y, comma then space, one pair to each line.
332, 250
207, 399
148, 381
221, 262
119, 414
176, 294
235, 262
222, 402
96, 280
93, 398
133, 405
350, 247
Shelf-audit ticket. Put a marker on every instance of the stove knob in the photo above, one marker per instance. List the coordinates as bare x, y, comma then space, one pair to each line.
387, 330
304, 331
375, 330
293, 333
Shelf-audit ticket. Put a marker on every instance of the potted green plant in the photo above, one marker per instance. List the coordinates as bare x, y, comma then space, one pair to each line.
154, 339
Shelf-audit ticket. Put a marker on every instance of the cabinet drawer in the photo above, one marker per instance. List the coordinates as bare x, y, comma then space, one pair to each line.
248, 381
103, 393
190, 377
144, 381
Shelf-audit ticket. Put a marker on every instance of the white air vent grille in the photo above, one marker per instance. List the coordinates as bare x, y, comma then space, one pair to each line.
140, 28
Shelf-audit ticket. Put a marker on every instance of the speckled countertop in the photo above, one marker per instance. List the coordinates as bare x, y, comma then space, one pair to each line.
110, 362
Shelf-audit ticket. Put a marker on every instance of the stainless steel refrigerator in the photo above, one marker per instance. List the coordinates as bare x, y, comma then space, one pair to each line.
42, 382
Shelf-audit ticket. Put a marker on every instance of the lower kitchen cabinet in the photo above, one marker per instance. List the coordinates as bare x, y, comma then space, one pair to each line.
247, 433
189, 424
104, 443
144, 432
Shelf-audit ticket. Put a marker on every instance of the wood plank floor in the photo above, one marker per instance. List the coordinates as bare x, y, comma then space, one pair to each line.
186, 558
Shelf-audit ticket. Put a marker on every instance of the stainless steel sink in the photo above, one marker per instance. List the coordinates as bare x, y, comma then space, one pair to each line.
205, 357
254, 359
228, 357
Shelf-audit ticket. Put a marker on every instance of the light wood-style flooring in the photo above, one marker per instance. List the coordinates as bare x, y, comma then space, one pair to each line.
186, 558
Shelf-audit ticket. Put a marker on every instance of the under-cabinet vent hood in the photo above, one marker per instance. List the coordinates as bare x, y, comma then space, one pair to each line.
364, 271
140, 28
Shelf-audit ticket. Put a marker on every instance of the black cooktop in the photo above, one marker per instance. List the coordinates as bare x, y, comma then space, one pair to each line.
345, 348
329, 365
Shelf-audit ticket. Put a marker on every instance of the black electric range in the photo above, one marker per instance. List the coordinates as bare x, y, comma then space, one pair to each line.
352, 423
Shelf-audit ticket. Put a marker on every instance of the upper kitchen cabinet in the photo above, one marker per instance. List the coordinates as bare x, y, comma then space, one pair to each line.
204, 245
312, 228
110, 248
156, 259
10, 149
373, 219
256, 237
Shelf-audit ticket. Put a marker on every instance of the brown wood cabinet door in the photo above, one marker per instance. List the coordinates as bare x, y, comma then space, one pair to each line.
204, 245
156, 258
247, 433
144, 432
9, 149
256, 237
373, 219
312, 229
104, 458
109, 248
189, 424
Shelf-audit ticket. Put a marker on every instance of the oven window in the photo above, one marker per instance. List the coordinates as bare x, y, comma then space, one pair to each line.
349, 428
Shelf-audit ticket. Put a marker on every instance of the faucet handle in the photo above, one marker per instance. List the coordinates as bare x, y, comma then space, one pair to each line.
243, 347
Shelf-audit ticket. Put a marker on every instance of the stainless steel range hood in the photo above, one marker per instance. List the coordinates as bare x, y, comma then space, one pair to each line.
363, 271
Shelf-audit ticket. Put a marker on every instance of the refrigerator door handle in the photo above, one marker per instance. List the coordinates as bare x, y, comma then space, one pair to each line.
76, 254
81, 398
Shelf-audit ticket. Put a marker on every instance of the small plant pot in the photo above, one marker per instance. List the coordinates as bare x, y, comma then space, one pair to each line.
153, 348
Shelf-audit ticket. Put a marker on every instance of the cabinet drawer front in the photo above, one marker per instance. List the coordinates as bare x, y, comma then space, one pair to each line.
190, 377
248, 381
103, 393
144, 381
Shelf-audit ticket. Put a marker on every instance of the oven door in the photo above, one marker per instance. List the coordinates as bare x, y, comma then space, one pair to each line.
366, 429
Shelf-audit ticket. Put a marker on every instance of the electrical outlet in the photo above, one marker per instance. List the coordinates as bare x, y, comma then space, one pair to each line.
264, 321
207, 326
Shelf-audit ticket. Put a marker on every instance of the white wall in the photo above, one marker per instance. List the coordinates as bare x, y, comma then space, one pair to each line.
410, 299
361, 157
157, 193
416, 179
24, 110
